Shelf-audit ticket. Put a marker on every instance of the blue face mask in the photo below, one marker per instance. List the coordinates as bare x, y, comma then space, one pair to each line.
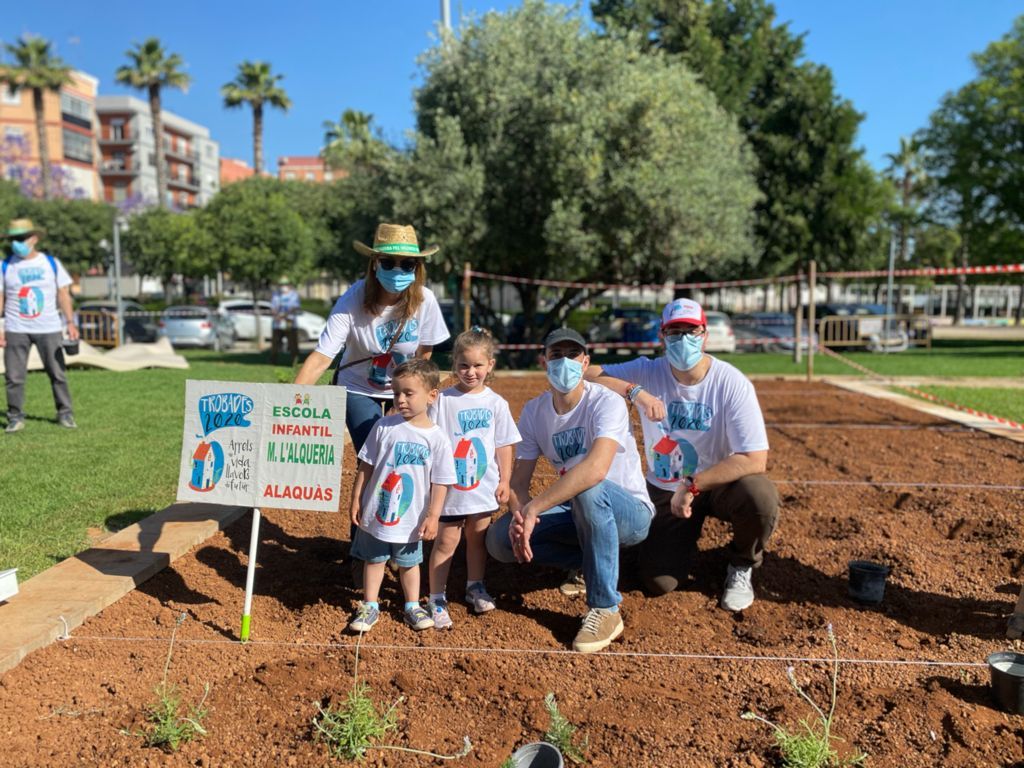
564, 374
21, 248
395, 280
685, 353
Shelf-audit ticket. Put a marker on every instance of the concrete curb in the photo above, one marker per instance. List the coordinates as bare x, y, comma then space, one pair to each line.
85, 584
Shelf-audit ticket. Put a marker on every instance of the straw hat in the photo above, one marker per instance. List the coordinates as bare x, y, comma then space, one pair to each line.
394, 240
21, 227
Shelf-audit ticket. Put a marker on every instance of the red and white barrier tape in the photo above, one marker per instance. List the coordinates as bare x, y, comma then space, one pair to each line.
656, 344
926, 395
992, 269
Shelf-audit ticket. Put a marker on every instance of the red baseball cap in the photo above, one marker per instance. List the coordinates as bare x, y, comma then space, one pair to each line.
683, 312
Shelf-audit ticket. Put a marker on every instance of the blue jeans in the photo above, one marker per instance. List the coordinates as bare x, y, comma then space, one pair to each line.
586, 531
369, 548
361, 414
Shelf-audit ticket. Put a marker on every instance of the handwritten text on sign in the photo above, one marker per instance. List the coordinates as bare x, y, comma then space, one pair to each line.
262, 445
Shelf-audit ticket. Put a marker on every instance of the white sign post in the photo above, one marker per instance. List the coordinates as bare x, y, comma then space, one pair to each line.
262, 446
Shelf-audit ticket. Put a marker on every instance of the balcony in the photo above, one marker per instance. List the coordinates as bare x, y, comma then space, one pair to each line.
191, 183
188, 155
119, 168
111, 137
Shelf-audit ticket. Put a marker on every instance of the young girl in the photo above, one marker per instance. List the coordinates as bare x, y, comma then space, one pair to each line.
482, 432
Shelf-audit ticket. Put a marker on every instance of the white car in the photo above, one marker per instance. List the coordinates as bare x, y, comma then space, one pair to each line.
720, 335
309, 325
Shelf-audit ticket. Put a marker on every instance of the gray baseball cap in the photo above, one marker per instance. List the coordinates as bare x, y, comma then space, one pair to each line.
564, 334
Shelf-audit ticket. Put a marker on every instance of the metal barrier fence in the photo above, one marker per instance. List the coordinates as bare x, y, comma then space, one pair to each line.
875, 332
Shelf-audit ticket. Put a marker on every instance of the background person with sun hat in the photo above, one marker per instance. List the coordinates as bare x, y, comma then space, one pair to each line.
383, 320
33, 285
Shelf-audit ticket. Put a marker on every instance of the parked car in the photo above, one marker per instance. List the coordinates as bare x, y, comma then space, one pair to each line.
97, 322
630, 324
189, 326
774, 332
720, 334
241, 312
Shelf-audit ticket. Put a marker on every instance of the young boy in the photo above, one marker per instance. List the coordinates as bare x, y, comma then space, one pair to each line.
405, 469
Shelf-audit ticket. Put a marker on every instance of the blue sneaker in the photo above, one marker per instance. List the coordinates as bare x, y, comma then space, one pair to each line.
364, 618
439, 610
418, 618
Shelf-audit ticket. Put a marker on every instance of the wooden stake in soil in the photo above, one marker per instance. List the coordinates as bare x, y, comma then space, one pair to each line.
1015, 627
250, 575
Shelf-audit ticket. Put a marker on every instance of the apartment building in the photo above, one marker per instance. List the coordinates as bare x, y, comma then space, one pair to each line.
71, 132
127, 144
305, 168
233, 169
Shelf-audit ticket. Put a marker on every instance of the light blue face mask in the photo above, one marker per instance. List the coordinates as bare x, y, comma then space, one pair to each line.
21, 248
395, 280
564, 374
685, 353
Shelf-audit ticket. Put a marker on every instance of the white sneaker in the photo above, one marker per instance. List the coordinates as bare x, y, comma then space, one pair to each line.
739, 592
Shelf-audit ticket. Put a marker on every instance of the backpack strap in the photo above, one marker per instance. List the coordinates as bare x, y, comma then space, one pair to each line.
3, 267
53, 265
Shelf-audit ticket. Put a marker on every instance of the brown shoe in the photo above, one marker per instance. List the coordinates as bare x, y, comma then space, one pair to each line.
573, 584
600, 627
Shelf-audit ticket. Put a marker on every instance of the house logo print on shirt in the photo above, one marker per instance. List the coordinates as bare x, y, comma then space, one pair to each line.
379, 367
672, 459
393, 498
470, 463
207, 466
30, 302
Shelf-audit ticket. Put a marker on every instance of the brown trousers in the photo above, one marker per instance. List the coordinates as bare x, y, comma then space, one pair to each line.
291, 335
665, 557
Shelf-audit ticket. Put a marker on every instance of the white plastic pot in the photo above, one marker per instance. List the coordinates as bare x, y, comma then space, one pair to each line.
8, 584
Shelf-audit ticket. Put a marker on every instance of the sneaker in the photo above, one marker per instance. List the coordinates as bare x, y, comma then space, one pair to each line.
439, 611
67, 421
480, 600
418, 618
739, 592
574, 584
14, 426
600, 627
364, 618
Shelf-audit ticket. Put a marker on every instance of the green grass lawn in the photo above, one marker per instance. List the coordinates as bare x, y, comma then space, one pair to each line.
122, 463
997, 401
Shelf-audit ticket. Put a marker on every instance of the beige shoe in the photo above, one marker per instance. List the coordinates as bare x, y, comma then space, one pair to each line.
600, 627
573, 584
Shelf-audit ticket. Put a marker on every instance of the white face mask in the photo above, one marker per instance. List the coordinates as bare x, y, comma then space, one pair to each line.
564, 374
684, 354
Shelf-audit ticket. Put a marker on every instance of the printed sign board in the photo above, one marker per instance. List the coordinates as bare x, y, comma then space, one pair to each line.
262, 445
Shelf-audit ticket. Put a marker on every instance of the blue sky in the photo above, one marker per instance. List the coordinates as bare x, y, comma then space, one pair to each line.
894, 59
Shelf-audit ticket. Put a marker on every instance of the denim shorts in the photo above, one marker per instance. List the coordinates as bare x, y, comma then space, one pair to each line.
372, 550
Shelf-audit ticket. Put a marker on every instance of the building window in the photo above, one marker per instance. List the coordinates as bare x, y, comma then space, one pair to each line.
76, 110
328, 176
13, 132
120, 191
310, 176
8, 96
77, 146
117, 128
289, 175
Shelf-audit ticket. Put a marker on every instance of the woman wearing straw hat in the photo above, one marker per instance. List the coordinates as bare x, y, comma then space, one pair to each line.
382, 320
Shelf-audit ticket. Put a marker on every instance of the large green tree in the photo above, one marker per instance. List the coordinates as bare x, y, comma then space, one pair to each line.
256, 86
906, 172
354, 145
38, 70
256, 236
75, 230
574, 158
151, 70
164, 244
820, 199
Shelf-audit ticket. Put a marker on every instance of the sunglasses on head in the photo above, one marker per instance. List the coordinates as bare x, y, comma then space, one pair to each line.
406, 265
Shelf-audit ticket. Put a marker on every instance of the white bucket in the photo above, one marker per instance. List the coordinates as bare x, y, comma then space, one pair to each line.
8, 584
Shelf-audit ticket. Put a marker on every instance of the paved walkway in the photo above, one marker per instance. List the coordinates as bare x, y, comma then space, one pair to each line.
85, 584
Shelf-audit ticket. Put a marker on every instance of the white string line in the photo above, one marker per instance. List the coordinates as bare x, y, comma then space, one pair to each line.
836, 425
903, 484
540, 651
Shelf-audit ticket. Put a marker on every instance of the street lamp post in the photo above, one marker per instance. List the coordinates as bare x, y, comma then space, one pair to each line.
118, 224
446, 14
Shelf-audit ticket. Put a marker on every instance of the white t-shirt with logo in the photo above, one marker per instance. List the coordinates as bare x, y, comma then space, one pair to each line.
368, 336
477, 425
705, 423
30, 294
566, 439
405, 461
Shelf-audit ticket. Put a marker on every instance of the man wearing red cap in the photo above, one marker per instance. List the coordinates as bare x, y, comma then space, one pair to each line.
707, 452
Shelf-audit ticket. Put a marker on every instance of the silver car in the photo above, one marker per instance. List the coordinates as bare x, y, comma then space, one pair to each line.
187, 326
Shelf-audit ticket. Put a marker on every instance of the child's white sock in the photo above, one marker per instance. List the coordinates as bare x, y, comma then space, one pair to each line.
471, 585
437, 597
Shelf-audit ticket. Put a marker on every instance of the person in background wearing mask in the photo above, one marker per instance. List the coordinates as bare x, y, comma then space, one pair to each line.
33, 285
380, 322
707, 452
285, 306
598, 503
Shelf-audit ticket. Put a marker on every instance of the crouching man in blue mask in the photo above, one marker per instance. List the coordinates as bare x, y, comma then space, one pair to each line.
598, 503
707, 451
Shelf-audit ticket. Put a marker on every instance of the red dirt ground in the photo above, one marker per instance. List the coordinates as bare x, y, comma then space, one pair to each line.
956, 555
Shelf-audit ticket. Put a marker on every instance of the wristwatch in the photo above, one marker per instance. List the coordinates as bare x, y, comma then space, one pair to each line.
691, 486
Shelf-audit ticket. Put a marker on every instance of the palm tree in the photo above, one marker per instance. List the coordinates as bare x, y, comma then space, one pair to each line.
36, 68
353, 142
907, 172
256, 86
151, 70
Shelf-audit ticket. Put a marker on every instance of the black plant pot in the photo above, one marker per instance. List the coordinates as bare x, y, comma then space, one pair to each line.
1007, 668
70, 346
867, 581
